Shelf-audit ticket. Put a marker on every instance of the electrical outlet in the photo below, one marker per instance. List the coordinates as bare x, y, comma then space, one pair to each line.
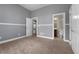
0, 37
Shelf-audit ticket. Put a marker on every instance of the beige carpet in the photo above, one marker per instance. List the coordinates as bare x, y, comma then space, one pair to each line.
36, 46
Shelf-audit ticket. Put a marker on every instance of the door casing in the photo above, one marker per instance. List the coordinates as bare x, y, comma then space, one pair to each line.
63, 13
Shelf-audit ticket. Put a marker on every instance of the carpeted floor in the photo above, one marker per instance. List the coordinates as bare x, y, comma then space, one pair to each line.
34, 45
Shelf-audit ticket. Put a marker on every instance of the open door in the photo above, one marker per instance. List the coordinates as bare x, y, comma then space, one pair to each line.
28, 27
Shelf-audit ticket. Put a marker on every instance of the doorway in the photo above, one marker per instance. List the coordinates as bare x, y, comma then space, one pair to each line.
59, 26
34, 26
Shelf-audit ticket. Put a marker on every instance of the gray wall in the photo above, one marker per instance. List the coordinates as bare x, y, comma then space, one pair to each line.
45, 17
17, 15
12, 14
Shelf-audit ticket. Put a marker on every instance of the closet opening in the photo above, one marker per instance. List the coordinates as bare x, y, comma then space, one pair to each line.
59, 26
34, 26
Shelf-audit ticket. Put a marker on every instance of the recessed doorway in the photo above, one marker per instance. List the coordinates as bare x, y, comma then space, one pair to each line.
59, 26
34, 26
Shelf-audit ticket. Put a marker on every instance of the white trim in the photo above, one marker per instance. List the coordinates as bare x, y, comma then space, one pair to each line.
44, 37
36, 18
68, 41
12, 24
45, 25
9, 40
70, 23
70, 30
74, 51
63, 23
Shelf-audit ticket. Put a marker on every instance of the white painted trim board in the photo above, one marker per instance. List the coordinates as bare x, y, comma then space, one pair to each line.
12, 24
45, 37
9, 40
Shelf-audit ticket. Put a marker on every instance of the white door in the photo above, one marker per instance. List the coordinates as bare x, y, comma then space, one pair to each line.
74, 28
28, 27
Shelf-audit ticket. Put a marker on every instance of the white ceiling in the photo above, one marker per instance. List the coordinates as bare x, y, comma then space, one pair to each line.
33, 7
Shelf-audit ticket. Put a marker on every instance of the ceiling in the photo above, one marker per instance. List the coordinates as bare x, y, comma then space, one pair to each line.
33, 7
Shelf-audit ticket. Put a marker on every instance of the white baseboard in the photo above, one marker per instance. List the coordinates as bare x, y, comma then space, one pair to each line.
75, 50
9, 40
71, 46
67, 41
45, 37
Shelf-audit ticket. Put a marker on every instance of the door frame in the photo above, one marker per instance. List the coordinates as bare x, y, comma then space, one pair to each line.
70, 17
36, 24
62, 13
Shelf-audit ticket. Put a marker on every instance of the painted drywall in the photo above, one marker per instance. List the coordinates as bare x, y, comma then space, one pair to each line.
45, 17
10, 13
14, 14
